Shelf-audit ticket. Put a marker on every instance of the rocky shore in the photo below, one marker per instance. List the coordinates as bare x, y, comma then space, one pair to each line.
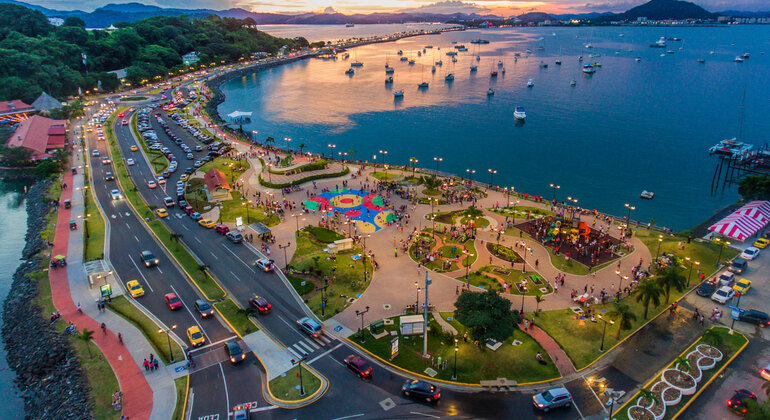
49, 376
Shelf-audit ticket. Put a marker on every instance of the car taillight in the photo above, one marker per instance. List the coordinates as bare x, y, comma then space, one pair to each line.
269, 306
729, 402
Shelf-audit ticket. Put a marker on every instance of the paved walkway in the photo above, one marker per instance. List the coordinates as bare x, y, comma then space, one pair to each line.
559, 357
134, 386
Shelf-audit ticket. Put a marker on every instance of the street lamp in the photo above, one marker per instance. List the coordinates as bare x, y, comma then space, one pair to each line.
492, 173
628, 217
296, 217
573, 203
555, 187
514, 211
692, 263
384, 154
454, 377
362, 321
331, 150
246, 204
413, 161
437, 160
611, 322
621, 277
298, 362
722, 244
417, 299
323, 299
471, 172
468, 256
285, 259
660, 241
167, 331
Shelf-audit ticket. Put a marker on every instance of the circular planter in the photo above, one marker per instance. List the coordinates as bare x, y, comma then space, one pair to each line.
672, 396
706, 363
710, 351
680, 380
637, 412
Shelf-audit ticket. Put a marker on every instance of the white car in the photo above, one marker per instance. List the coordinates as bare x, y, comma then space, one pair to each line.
750, 253
722, 295
727, 279
765, 372
115, 195
265, 264
95, 153
130, 162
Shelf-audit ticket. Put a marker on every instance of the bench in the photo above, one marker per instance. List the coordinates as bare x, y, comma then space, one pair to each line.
499, 384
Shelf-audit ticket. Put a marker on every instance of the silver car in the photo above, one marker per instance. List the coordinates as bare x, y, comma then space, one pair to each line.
552, 398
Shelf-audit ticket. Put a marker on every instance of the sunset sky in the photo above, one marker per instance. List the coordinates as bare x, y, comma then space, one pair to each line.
497, 7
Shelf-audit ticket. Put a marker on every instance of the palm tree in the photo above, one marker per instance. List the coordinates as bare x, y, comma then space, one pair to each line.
646, 393
301, 146
758, 411
647, 292
175, 237
625, 317
202, 268
538, 299
671, 279
431, 182
269, 140
712, 337
472, 211
87, 336
683, 364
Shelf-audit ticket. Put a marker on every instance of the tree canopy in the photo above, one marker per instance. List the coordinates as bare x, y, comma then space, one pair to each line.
487, 315
755, 187
36, 56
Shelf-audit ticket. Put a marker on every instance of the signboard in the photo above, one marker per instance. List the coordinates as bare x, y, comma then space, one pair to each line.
239, 221
735, 312
105, 290
393, 347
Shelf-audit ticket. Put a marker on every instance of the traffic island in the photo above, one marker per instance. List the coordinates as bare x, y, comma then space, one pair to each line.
444, 251
287, 387
493, 277
514, 358
237, 318
668, 394
126, 310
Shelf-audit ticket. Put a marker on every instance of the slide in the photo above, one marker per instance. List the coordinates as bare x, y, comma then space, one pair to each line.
584, 229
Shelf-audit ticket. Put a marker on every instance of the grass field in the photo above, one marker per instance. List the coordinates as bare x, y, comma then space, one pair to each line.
94, 228
158, 160
236, 317
286, 387
121, 306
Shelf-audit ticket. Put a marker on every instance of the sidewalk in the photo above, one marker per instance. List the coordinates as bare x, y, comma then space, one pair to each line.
559, 357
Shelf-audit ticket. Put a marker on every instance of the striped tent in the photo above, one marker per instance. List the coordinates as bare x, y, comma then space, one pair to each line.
754, 213
755, 208
738, 226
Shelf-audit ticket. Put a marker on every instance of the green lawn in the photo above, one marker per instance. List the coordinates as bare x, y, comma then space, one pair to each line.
235, 317
704, 252
482, 278
133, 98
427, 200
310, 264
181, 393
158, 160
731, 343
521, 212
230, 167
94, 228
474, 363
431, 192
559, 261
286, 387
121, 306
323, 235
387, 176
453, 250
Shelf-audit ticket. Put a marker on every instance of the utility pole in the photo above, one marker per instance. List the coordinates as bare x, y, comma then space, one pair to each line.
428, 281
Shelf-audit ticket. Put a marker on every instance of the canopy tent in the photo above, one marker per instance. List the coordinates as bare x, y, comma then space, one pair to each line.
738, 226
260, 228
754, 213
755, 208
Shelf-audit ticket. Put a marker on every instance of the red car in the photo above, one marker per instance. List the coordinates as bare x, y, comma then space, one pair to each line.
188, 210
173, 301
261, 304
359, 366
122, 114
222, 229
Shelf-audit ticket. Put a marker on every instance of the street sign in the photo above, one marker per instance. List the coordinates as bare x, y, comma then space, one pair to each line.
105, 290
735, 312
239, 221
393, 347
338, 328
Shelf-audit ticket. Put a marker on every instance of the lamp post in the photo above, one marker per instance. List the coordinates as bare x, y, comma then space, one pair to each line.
437, 160
621, 277
285, 258
384, 154
660, 241
521, 311
514, 211
471, 172
492, 173
298, 362
362, 321
287, 140
167, 331
417, 299
364, 257
573, 203
296, 217
323, 299
428, 281
413, 161
722, 244
331, 150
604, 330
454, 376
246, 204
628, 217
692, 263
468, 256
555, 187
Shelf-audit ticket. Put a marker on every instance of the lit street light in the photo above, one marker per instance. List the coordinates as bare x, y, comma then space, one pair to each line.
604, 330
454, 376
167, 331
692, 263
628, 217
555, 187
437, 160
361, 313
492, 173
298, 362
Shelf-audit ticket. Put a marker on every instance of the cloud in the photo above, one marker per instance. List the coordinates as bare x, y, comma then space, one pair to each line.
447, 7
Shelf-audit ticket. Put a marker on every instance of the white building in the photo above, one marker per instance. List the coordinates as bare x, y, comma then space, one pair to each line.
56, 21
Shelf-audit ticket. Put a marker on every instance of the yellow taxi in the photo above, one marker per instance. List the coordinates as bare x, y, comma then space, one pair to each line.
742, 286
195, 336
184, 177
207, 223
134, 288
161, 212
761, 243
134, 148
152, 184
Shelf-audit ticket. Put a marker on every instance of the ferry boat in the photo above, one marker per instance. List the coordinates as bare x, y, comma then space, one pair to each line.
350, 71
388, 80
398, 94
530, 83
519, 113
389, 70
589, 69
449, 77
490, 92
543, 65
356, 64
423, 85
647, 195
474, 68
479, 41
730, 148
738, 59
661, 43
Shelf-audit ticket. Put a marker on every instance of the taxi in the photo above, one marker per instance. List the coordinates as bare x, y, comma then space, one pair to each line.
742, 286
207, 223
195, 336
161, 212
134, 288
151, 184
761, 243
134, 148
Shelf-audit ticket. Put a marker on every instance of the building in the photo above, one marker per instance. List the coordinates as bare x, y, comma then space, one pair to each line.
40, 135
190, 58
56, 21
15, 111
46, 102
217, 187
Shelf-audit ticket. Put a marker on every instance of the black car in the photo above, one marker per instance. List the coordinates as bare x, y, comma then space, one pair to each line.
234, 352
738, 266
204, 308
737, 404
108, 176
188, 171
421, 390
754, 316
261, 304
706, 288
149, 259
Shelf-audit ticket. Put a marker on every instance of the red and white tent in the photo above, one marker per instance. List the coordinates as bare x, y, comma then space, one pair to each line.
756, 208
738, 226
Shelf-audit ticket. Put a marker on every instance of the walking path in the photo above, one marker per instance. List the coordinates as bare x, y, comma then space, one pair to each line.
559, 357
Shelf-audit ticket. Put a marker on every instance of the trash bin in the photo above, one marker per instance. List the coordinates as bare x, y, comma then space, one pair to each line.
377, 327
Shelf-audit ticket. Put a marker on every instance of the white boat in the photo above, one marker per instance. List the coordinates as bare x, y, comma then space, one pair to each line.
530, 83
647, 195
589, 46
356, 64
519, 113
731, 148
543, 65
572, 82
588, 69
745, 55
490, 92
499, 64
638, 59
669, 51
398, 94
350, 25
738, 59
701, 60
661, 43
557, 62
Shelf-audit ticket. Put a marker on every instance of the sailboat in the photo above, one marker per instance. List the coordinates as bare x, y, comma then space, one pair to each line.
474, 68
572, 82
734, 148
350, 71
388, 80
558, 59
423, 84
398, 94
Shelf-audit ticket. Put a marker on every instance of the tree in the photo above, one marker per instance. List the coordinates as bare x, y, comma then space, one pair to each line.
671, 279
647, 292
74, 21
538, 300
682, 363
473, 211
269, 140
431, 182
624, 317
755, 187
46, 168
301, 146
712, 337
86, 336
758, 411
647, 394
175, 237
202, 268
487, 315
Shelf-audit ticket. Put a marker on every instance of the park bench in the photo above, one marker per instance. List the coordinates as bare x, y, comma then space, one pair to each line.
499, 384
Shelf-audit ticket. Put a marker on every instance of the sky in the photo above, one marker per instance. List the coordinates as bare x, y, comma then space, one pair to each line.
497, 7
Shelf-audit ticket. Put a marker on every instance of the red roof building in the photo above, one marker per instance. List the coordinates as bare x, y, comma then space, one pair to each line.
216, 185
39, 134
14, 111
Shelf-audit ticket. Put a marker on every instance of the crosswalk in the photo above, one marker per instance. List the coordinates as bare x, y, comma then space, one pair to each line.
308, 346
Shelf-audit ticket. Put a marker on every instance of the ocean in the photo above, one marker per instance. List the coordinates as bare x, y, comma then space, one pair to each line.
631, 126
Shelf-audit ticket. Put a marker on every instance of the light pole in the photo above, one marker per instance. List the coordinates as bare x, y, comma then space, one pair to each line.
323, 299
384, 154
454, 377
492, 173
296, 217
621, 277
167, 331
417, 299
555, 187
722, 244
287, 140
660, 241
437, 160
471, 172
428, 281
246, 204
298, 362
285, 258
413, 161
604, 330
692, 263
364, 257
628, 217
514, 211
331, 150
361, 313
468, 256
573, 203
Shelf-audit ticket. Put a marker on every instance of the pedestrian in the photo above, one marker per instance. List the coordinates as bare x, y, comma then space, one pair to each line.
457, 290
120, 338
104, 328
155, 364
146, 365
526, 324
702, 319
537, 262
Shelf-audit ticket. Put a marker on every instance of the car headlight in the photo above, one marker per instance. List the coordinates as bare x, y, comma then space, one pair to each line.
232, 359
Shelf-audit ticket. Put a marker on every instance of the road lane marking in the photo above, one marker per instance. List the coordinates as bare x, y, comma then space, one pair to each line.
227, 395
195, 320
578, 410
296, 356
196, 238
597, 397
424, 414
324, 354
312, 343
140, 273
128, 226
213, 255
349, 417
161, 271
236, 277
137, 239
192, 401
184, 226
269, 407
302, 345
239, 258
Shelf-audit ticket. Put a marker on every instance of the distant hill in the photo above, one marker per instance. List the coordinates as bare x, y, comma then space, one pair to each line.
583, 16
535, 17
661, 10
739, 13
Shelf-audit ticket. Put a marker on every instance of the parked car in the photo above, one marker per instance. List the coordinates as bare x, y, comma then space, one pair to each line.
722, 295
234, 237
761, 243
417, 389
359, 366
203, 308
754, 316
552, 398
706, 288
726, 279
738, 402
195, 216
234, 352
738, 266
742, 286
149, 259
222, 229
310, 327
750, 253
765, 372
261, 304
265, 264
207, 223
173, 301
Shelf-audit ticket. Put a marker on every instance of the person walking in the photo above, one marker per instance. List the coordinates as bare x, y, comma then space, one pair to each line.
146, 365
155, 364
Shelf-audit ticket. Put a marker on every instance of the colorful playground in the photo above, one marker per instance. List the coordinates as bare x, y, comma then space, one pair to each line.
368, 210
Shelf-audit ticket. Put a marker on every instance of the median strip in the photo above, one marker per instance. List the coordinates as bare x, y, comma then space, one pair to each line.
235, 317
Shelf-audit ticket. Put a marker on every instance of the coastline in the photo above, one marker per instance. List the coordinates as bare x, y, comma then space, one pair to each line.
49, 376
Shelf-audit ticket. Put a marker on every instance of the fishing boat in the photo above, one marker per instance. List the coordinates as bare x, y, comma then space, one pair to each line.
661, 43
454, 59
543, 65
474, 68
400, 52
502, 70
411, 62
439, 63
388, 80
530, 83
433, 69
597, 64
398, 94
356, 64
351, 71
738, 59
423, 85
350, 25
429, 46
580, 58
419, 53
454, 42
457, 47
462, 49
478, 58
389, 70
517, 54
745, 55
519, 113
647, 195
490, 92
589, 69
638, 59
449, 77
528, 51
557, 62
345, 56
674, 39
669, 51
451, 53
588, 46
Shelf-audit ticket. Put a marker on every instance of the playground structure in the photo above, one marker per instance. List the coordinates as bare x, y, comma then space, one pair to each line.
367, 210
